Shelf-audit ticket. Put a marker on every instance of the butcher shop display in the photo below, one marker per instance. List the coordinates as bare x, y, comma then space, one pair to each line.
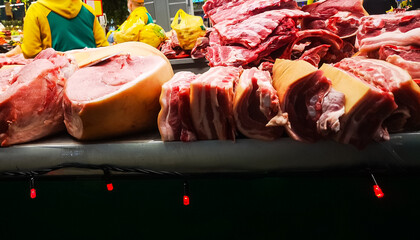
325, 71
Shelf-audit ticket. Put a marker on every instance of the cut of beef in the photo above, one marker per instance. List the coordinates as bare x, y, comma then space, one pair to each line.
212, 103
313, 111
174, 120
341, 17
256, 102
400, 29
405, 57
393, 79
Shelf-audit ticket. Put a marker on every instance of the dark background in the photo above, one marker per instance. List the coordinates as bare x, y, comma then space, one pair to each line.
299, 206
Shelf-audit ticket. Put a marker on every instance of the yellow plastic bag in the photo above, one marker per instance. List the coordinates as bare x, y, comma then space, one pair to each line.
129, 30
152, 34
188, 28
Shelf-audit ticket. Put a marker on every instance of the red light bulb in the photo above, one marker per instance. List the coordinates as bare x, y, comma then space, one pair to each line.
378, 191
33, 193
109, 186
186, 200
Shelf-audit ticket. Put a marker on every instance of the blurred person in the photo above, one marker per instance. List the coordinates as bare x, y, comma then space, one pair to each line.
63, 25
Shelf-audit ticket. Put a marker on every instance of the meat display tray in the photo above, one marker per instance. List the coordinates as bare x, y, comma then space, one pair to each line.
62, 155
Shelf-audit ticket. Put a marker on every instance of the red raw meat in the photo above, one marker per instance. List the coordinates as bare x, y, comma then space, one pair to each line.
389, 78
256, 102
341, 17
15, 60
241, 56
405, 57
314, 55
400, 29
212, 103
174, 120
200, 48
255, 29
316, 35
219, 11
305, 95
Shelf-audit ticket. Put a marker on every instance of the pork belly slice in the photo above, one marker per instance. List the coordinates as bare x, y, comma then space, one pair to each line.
390, 78
241, 56
395, 28
212, 103
405, 57
116, 97
30, 102
255, 29
174, 120
219, 11
366, 108
313, 110
341, 17
255, 104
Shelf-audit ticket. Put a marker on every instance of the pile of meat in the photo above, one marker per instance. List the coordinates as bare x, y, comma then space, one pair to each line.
119, 95
351, 99
247, 32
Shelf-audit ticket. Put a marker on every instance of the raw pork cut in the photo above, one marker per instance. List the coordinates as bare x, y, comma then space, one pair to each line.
405, 57
241, 56
389, 78
255, 29
15, 60
255, 103
366, 108
219, 11
341, 17
31, 99
115, 97
305, 95
212, 103
314, 55
174, 120
399, 29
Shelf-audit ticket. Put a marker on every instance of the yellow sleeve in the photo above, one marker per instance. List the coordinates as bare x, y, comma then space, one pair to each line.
32, 42
98, 31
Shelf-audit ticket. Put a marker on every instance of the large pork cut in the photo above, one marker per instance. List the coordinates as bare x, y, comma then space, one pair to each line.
366, 108
393, 79
31, 99
401, 29
341, 17
405, 57
255, 104
212, 103
174, 120
115, 97
313, 109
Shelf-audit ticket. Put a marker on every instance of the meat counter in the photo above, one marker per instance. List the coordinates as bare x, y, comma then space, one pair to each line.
147, 154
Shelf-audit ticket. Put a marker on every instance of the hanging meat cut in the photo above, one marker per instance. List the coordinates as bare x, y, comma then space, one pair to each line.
401, 29
212, 103
174, 120
31, 99
255, 104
